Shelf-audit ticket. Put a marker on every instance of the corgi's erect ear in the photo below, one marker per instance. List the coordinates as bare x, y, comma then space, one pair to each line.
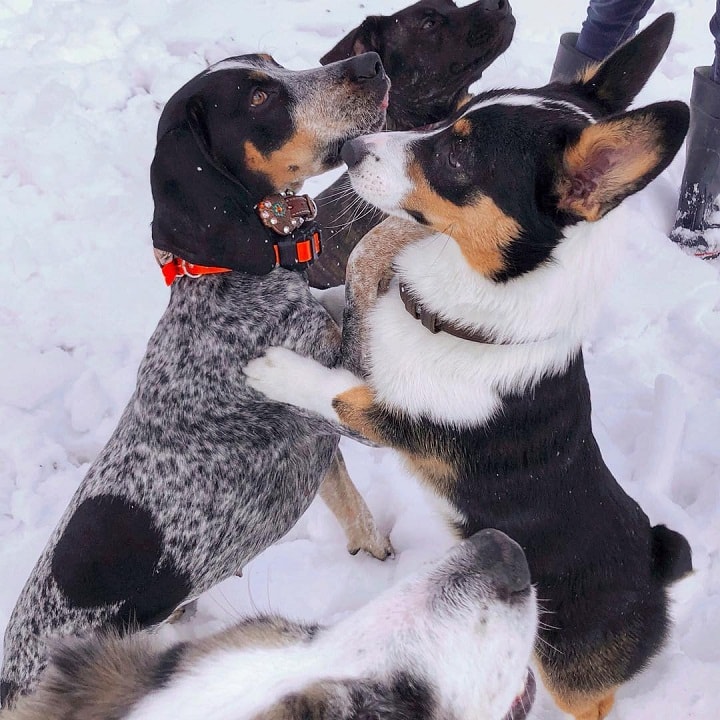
616, 81
617, 157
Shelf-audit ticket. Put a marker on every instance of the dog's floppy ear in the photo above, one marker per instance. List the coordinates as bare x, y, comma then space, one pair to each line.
362, 39
195, 113
203, 213
617, 157
616, 81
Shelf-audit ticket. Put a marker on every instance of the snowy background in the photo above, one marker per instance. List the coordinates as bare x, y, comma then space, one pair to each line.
82, 83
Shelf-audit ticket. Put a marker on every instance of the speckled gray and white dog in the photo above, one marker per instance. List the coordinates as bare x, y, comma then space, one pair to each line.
202, 473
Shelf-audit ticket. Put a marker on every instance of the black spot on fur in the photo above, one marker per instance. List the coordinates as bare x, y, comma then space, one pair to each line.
412, 698
166, 666
73, 658
405, 697
312, 630
110, 553
418, 216
7, 691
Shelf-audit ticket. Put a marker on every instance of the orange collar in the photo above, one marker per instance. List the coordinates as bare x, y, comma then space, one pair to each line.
177, 267
289, 253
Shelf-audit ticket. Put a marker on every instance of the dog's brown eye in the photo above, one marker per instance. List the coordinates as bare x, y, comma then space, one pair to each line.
428, 23
258, 97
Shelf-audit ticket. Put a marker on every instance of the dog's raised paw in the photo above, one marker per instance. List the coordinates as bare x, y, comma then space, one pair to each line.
284, 376
275, 373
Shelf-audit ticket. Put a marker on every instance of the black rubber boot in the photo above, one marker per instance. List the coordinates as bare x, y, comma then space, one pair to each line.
569, 61
697, 224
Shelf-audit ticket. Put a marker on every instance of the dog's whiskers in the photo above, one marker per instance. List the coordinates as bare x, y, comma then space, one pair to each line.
343, 190
546, 626
363, 214
547, 645
358, 209
253, 604
352, 206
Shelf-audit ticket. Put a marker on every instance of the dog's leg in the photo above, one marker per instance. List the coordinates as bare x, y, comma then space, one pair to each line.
341, 399
285, 376
184, 613
582, 705
585, 707
369, 272
348, 506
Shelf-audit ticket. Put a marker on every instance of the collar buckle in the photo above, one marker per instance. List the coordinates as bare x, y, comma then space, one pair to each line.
285, 212
174, 267
299, 250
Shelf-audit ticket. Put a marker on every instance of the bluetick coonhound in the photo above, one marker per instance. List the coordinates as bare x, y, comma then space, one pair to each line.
201, 473
452, 641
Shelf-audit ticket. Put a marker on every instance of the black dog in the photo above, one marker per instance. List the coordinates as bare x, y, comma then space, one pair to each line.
201, 474
433, 51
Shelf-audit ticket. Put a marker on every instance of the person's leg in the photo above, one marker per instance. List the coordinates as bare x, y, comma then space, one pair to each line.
697, 224
715, 30
610, 23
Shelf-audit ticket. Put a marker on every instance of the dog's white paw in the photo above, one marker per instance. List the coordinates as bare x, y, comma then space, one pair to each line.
284, 376
279, 375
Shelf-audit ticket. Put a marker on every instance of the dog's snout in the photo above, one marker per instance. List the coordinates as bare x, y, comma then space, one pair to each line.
365, 67
353, 152
503, 561
502, 7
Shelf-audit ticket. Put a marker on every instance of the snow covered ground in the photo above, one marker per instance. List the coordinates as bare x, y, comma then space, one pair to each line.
82, 84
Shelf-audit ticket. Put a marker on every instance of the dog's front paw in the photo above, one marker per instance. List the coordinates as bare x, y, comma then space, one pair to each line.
284, 376
278, 374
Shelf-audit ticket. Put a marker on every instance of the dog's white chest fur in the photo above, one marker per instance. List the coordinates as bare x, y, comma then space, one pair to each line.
544, 314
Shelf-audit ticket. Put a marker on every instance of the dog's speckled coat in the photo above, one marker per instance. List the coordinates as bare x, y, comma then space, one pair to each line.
202, 473
229, 472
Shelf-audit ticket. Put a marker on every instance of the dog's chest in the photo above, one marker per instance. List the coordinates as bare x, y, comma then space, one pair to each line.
532, 469
214, 325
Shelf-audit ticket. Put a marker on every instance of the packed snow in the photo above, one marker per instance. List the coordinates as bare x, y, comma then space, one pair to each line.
82, 85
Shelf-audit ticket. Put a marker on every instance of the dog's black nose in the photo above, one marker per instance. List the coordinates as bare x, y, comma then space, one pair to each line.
499, 6
353, 151
503, 561
365, 67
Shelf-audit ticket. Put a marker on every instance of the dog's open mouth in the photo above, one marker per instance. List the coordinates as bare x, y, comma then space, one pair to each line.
524, 701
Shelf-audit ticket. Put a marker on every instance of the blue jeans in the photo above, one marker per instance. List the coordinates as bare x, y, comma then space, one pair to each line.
610, 23
715, 30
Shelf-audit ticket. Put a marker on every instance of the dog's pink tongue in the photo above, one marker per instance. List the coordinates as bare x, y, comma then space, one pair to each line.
521, 705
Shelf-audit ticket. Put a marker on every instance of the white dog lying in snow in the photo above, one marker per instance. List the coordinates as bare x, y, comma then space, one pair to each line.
450, 642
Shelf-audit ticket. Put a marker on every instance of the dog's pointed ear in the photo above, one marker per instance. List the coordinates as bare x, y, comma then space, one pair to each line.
615, 158
616, 81
362, 39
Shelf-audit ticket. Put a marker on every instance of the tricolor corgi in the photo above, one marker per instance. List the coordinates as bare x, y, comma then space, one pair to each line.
471, 363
